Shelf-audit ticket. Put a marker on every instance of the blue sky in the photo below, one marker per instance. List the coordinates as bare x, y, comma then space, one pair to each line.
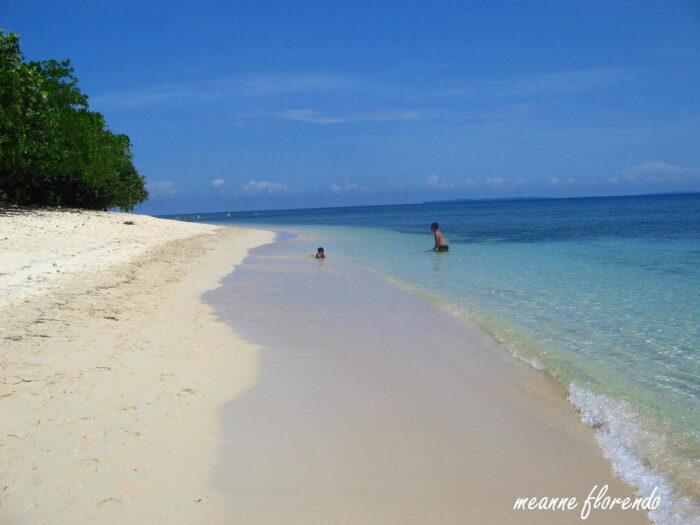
254, 105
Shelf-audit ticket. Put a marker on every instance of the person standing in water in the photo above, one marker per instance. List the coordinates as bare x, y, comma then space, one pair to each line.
320, 253
440, 242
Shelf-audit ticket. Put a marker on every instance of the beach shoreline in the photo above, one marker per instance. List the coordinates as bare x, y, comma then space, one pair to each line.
122, 382
387, 409
113, 371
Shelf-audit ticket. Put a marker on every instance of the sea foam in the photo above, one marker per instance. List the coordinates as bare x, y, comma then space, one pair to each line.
621, 435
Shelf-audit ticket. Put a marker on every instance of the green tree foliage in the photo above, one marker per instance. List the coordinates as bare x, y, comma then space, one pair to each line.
54, 151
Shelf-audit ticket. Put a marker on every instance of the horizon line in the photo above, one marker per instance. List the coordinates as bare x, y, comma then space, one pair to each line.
449, 201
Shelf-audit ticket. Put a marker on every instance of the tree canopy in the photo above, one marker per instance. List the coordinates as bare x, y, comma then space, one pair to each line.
54, 151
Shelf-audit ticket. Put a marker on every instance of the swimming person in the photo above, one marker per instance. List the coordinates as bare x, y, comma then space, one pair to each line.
440, 242
320, 254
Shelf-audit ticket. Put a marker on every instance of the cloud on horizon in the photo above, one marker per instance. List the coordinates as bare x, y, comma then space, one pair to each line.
263, 187
348, 186
433, 181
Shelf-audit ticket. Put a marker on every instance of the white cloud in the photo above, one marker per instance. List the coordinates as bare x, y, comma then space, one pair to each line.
570, 181
222, 89
218, 185
263, 186
470, 183
267, 86
519, 183
348, 186
498, 113
553, 181
433, 181
162, 189
312, 116
495, 181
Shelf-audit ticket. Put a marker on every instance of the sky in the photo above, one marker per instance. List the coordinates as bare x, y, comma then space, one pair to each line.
234, 105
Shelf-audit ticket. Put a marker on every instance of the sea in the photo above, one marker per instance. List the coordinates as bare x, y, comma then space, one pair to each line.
599, 294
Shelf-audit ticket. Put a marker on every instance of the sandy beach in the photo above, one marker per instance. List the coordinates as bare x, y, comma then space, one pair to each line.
113, 371
140, 384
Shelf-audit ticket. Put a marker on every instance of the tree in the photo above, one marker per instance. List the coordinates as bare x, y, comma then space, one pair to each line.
53, 149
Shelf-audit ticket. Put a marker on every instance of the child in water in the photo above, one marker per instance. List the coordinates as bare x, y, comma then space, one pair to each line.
440, 242
320, 254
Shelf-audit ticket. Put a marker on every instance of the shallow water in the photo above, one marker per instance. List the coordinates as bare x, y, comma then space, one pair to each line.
601, 293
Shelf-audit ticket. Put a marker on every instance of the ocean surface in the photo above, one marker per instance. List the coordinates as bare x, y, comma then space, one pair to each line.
601, 294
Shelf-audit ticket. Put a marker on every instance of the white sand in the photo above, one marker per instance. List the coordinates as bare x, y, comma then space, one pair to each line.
43, 248
112, 370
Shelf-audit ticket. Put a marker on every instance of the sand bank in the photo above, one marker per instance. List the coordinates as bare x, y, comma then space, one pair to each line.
112, 371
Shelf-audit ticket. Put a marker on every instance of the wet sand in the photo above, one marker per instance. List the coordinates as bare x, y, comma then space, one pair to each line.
375, 406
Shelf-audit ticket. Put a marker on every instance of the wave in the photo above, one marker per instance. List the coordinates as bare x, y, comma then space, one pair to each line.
622, 436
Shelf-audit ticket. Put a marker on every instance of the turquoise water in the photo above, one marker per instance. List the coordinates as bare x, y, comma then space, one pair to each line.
600, 293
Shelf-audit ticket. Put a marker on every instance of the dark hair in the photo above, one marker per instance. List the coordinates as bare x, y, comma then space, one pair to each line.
320, 249
434, 226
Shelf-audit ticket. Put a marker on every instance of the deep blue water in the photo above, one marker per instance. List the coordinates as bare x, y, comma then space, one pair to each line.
601, 293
